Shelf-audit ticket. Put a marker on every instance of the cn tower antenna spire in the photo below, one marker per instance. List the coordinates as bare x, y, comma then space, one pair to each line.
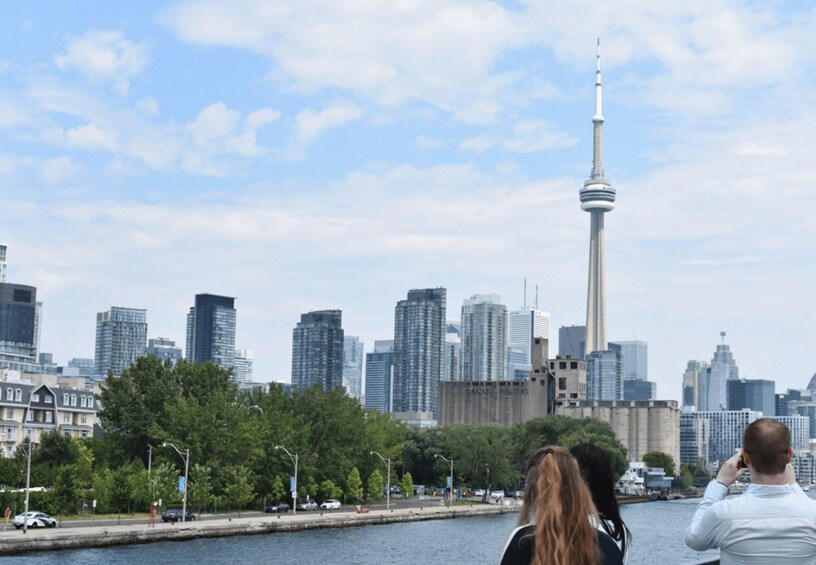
598, 120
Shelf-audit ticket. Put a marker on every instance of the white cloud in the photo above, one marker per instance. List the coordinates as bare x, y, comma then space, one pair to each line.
438, 53
311, 124
528, 136
61, 169
426, 143
91, 137
105, 54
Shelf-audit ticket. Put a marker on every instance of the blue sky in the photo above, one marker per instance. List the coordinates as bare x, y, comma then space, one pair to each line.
314, 155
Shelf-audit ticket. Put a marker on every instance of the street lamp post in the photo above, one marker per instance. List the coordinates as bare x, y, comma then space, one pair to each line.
28, 485
449, 462
388, 486
186, 457
294, 459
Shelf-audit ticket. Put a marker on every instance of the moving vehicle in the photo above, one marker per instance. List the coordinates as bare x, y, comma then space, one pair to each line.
308, 505
277, 508
34, 520
174, 515
330, 504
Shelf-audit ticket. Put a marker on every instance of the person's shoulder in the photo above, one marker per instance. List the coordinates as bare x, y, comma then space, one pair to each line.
518, 548
609, 549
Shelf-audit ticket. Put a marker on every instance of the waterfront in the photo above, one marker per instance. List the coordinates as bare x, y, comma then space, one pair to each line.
657, 529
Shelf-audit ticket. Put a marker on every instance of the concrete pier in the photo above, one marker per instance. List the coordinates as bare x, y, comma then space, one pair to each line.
37, 540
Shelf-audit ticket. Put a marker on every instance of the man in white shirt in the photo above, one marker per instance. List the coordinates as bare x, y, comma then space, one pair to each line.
774, 521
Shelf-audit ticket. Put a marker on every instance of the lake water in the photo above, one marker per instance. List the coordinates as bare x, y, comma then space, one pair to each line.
657, 530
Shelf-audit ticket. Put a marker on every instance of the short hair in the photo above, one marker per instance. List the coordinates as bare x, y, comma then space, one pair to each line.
768, 443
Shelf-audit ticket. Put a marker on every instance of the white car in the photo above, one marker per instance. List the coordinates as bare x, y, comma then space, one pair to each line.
330, 504
34, 520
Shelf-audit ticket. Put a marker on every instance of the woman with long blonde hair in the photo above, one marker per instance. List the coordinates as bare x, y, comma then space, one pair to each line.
555, 526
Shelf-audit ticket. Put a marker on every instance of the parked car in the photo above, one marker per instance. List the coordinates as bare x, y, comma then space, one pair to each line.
479, 492
330, 504
497, 494
308, 505
174, 515
34, 520
277, 508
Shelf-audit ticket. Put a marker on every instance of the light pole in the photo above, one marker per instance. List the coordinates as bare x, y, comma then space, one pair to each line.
186, 457
294, 459
450, 462
388, 486
28, 486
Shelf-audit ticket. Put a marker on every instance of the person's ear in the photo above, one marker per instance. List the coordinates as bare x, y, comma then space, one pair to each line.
790, 455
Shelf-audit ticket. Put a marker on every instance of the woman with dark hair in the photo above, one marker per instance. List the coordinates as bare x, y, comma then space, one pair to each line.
597, 472
555, 526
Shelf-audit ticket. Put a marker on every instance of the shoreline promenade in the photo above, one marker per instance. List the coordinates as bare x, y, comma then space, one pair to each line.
42, 540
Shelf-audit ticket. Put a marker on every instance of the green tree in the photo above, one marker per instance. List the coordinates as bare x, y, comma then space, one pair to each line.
354, 485
277, 491
329, 490
375, 484
240, 490
407, 485
200, 494
660, 459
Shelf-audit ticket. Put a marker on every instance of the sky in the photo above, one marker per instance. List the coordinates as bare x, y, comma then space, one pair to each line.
316, 155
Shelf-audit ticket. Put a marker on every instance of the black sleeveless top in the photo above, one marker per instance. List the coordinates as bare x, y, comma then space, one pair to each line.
521, 545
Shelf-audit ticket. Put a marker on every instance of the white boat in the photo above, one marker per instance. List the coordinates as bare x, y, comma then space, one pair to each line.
631, 483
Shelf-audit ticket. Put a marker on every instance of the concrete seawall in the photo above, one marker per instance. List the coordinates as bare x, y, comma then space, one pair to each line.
38, 540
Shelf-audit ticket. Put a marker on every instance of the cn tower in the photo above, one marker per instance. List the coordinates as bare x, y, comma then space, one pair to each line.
597, 198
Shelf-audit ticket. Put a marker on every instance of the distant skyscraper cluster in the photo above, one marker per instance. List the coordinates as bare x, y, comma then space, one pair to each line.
121, 338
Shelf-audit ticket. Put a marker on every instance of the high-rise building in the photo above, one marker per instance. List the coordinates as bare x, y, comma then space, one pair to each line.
604, 380
570, 378
317, 350
121, 338
634, 359
597, 198
715, 440
636, 389
379, 377
242, 366
419, 338
484, 338
572, 342
754, 394
692, 378
211, 330
353, 365
452, 353
17, 326
80, 367
799, 427
525, 325
164, 348
713, 387
3, 264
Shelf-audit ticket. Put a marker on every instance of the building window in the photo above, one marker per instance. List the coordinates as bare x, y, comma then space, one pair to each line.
30, 416
9, 394
10, 434
562, 383
65, 399
9, 413
18, 395
73, 400
83, 401
35, 397
49, 418
66, 418
574, 365
49, 399
30, 434
84, 435
83, 418
90, 402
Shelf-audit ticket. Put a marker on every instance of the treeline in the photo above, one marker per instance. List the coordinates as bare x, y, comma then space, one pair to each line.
232, 435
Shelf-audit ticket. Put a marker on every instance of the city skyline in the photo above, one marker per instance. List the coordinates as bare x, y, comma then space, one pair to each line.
169, 149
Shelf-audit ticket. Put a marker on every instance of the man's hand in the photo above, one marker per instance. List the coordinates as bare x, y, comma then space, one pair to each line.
728, 472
